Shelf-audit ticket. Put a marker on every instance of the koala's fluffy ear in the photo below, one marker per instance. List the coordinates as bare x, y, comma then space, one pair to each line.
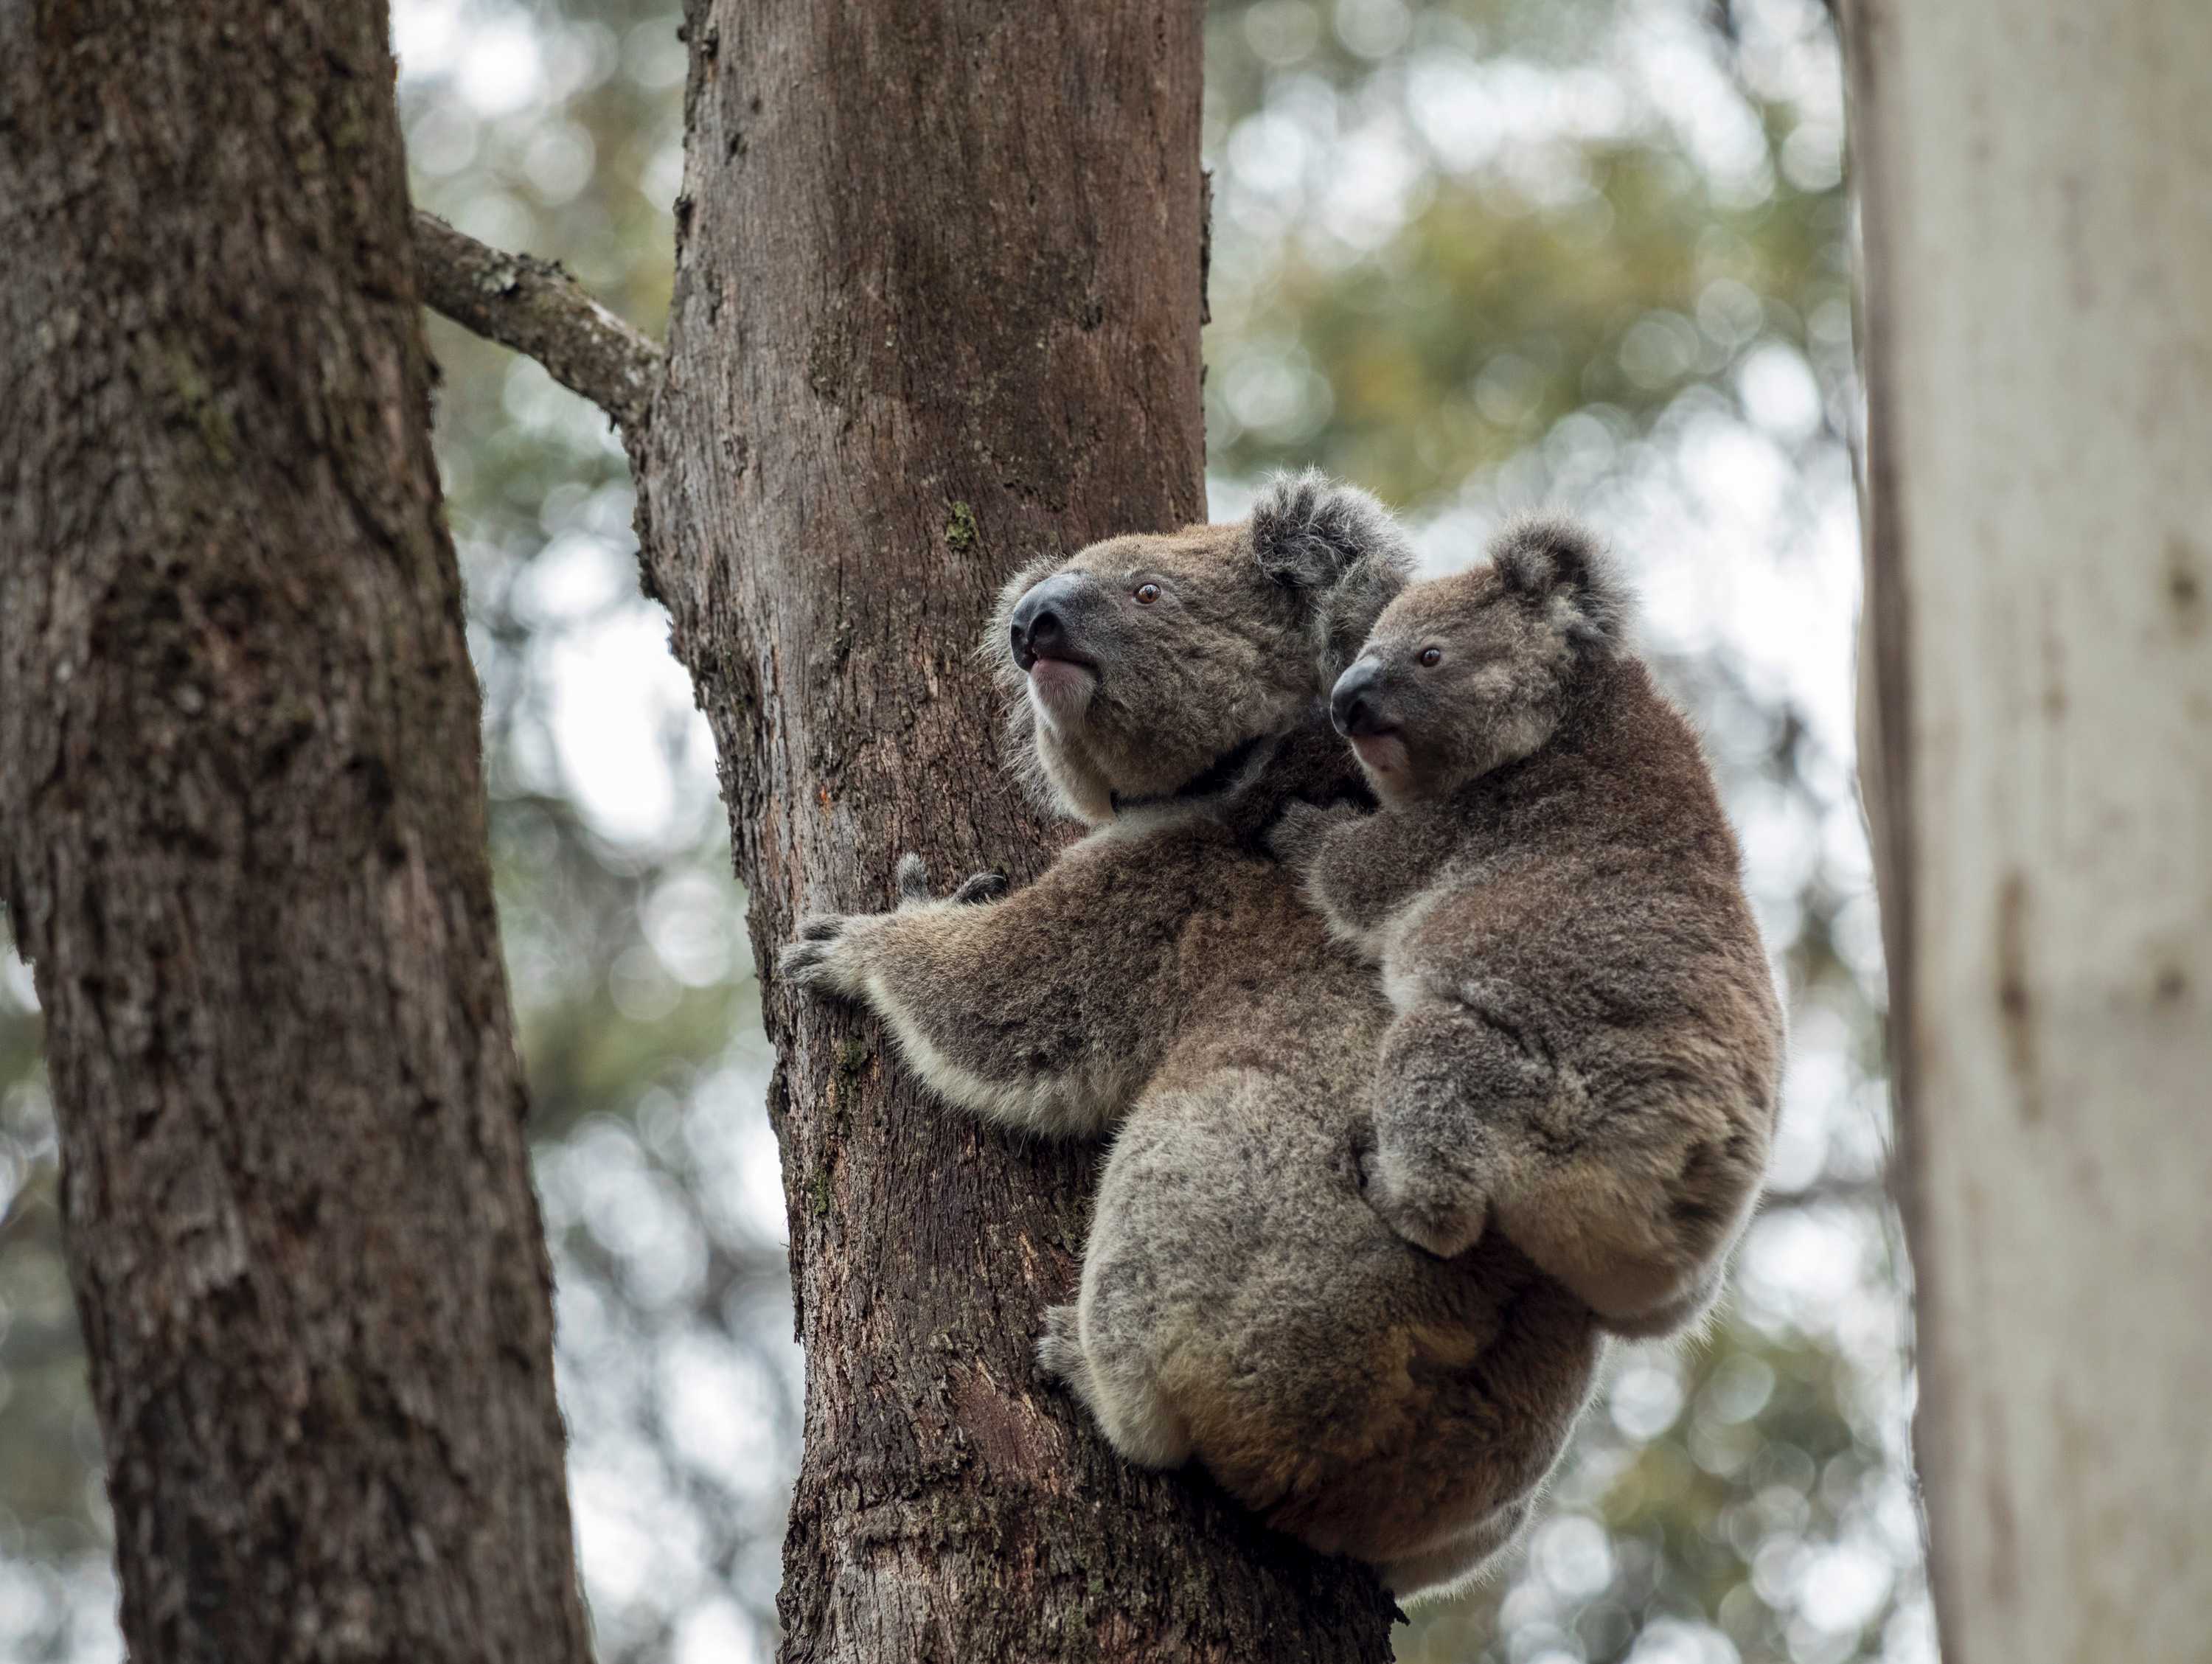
1340, 549
1562, 569
1308, 532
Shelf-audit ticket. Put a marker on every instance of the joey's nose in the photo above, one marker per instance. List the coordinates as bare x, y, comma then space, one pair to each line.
1356, 705
1041, 618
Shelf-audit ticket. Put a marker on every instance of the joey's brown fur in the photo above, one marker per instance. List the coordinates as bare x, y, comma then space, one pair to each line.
1165, 981
1588, 1048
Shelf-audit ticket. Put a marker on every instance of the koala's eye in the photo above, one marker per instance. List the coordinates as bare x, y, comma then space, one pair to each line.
1148, 594
1431, 657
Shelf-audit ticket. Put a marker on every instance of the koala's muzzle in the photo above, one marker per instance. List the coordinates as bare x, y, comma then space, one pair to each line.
1047, 620
1355, 705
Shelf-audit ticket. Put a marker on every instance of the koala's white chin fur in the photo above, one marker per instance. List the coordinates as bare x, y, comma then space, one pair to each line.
1387, 764
1061, 690
1077, 786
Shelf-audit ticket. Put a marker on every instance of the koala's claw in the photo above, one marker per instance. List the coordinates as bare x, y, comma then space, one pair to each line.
800, 962
912, 878
817, 961
915, 891
981, 887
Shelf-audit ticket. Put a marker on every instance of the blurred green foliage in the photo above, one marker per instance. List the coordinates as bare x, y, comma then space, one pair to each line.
1475, 254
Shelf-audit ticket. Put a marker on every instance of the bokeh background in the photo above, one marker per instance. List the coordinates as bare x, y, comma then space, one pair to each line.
1478, 255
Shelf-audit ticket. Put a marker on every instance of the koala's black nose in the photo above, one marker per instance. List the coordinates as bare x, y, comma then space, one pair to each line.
1356, 705
1042, 617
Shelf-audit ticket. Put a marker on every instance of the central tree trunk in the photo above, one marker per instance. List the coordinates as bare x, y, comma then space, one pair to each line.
936, 311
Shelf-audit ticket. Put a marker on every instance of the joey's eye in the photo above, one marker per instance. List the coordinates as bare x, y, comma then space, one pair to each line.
1431, 657
1148, 594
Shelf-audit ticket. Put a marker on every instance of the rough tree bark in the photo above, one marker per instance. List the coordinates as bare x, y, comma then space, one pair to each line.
2038, 193
937, 310
242, 841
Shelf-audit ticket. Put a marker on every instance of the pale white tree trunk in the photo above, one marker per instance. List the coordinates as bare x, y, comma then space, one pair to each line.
2037, 187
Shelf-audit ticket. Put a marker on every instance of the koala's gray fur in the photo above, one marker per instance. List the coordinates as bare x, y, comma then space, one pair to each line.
1166, 981
1588, 1049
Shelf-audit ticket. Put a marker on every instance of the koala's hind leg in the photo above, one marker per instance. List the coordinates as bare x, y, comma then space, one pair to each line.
1631, 1197
1445, 1569
1120, 1393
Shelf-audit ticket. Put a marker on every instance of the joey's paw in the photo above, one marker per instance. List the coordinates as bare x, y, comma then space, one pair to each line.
1058, 1348
1437, 1213
1295, 838
915, 891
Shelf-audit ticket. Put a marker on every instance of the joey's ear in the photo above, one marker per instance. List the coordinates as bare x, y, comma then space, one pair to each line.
1309, 532
1560, 567
1340, 550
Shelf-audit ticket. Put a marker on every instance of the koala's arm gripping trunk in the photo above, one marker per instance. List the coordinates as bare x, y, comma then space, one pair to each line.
1045, 1011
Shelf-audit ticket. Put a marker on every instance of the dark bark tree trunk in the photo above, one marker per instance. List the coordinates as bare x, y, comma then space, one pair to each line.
937, 310
242, 839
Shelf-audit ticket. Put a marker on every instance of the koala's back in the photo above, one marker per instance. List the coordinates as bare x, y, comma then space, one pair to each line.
1366, 1396
1596, 890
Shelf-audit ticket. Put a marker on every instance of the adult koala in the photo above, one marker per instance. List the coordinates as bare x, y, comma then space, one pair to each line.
1164, 983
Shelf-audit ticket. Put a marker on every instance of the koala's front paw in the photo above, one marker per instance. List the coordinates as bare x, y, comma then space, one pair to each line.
1437, 1212
830, 956
1296, 836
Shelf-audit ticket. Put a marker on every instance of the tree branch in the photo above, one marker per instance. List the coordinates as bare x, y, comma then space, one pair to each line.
1853, 1192
537, 308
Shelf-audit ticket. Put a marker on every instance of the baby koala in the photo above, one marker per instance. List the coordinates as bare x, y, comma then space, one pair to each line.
1587, 1050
